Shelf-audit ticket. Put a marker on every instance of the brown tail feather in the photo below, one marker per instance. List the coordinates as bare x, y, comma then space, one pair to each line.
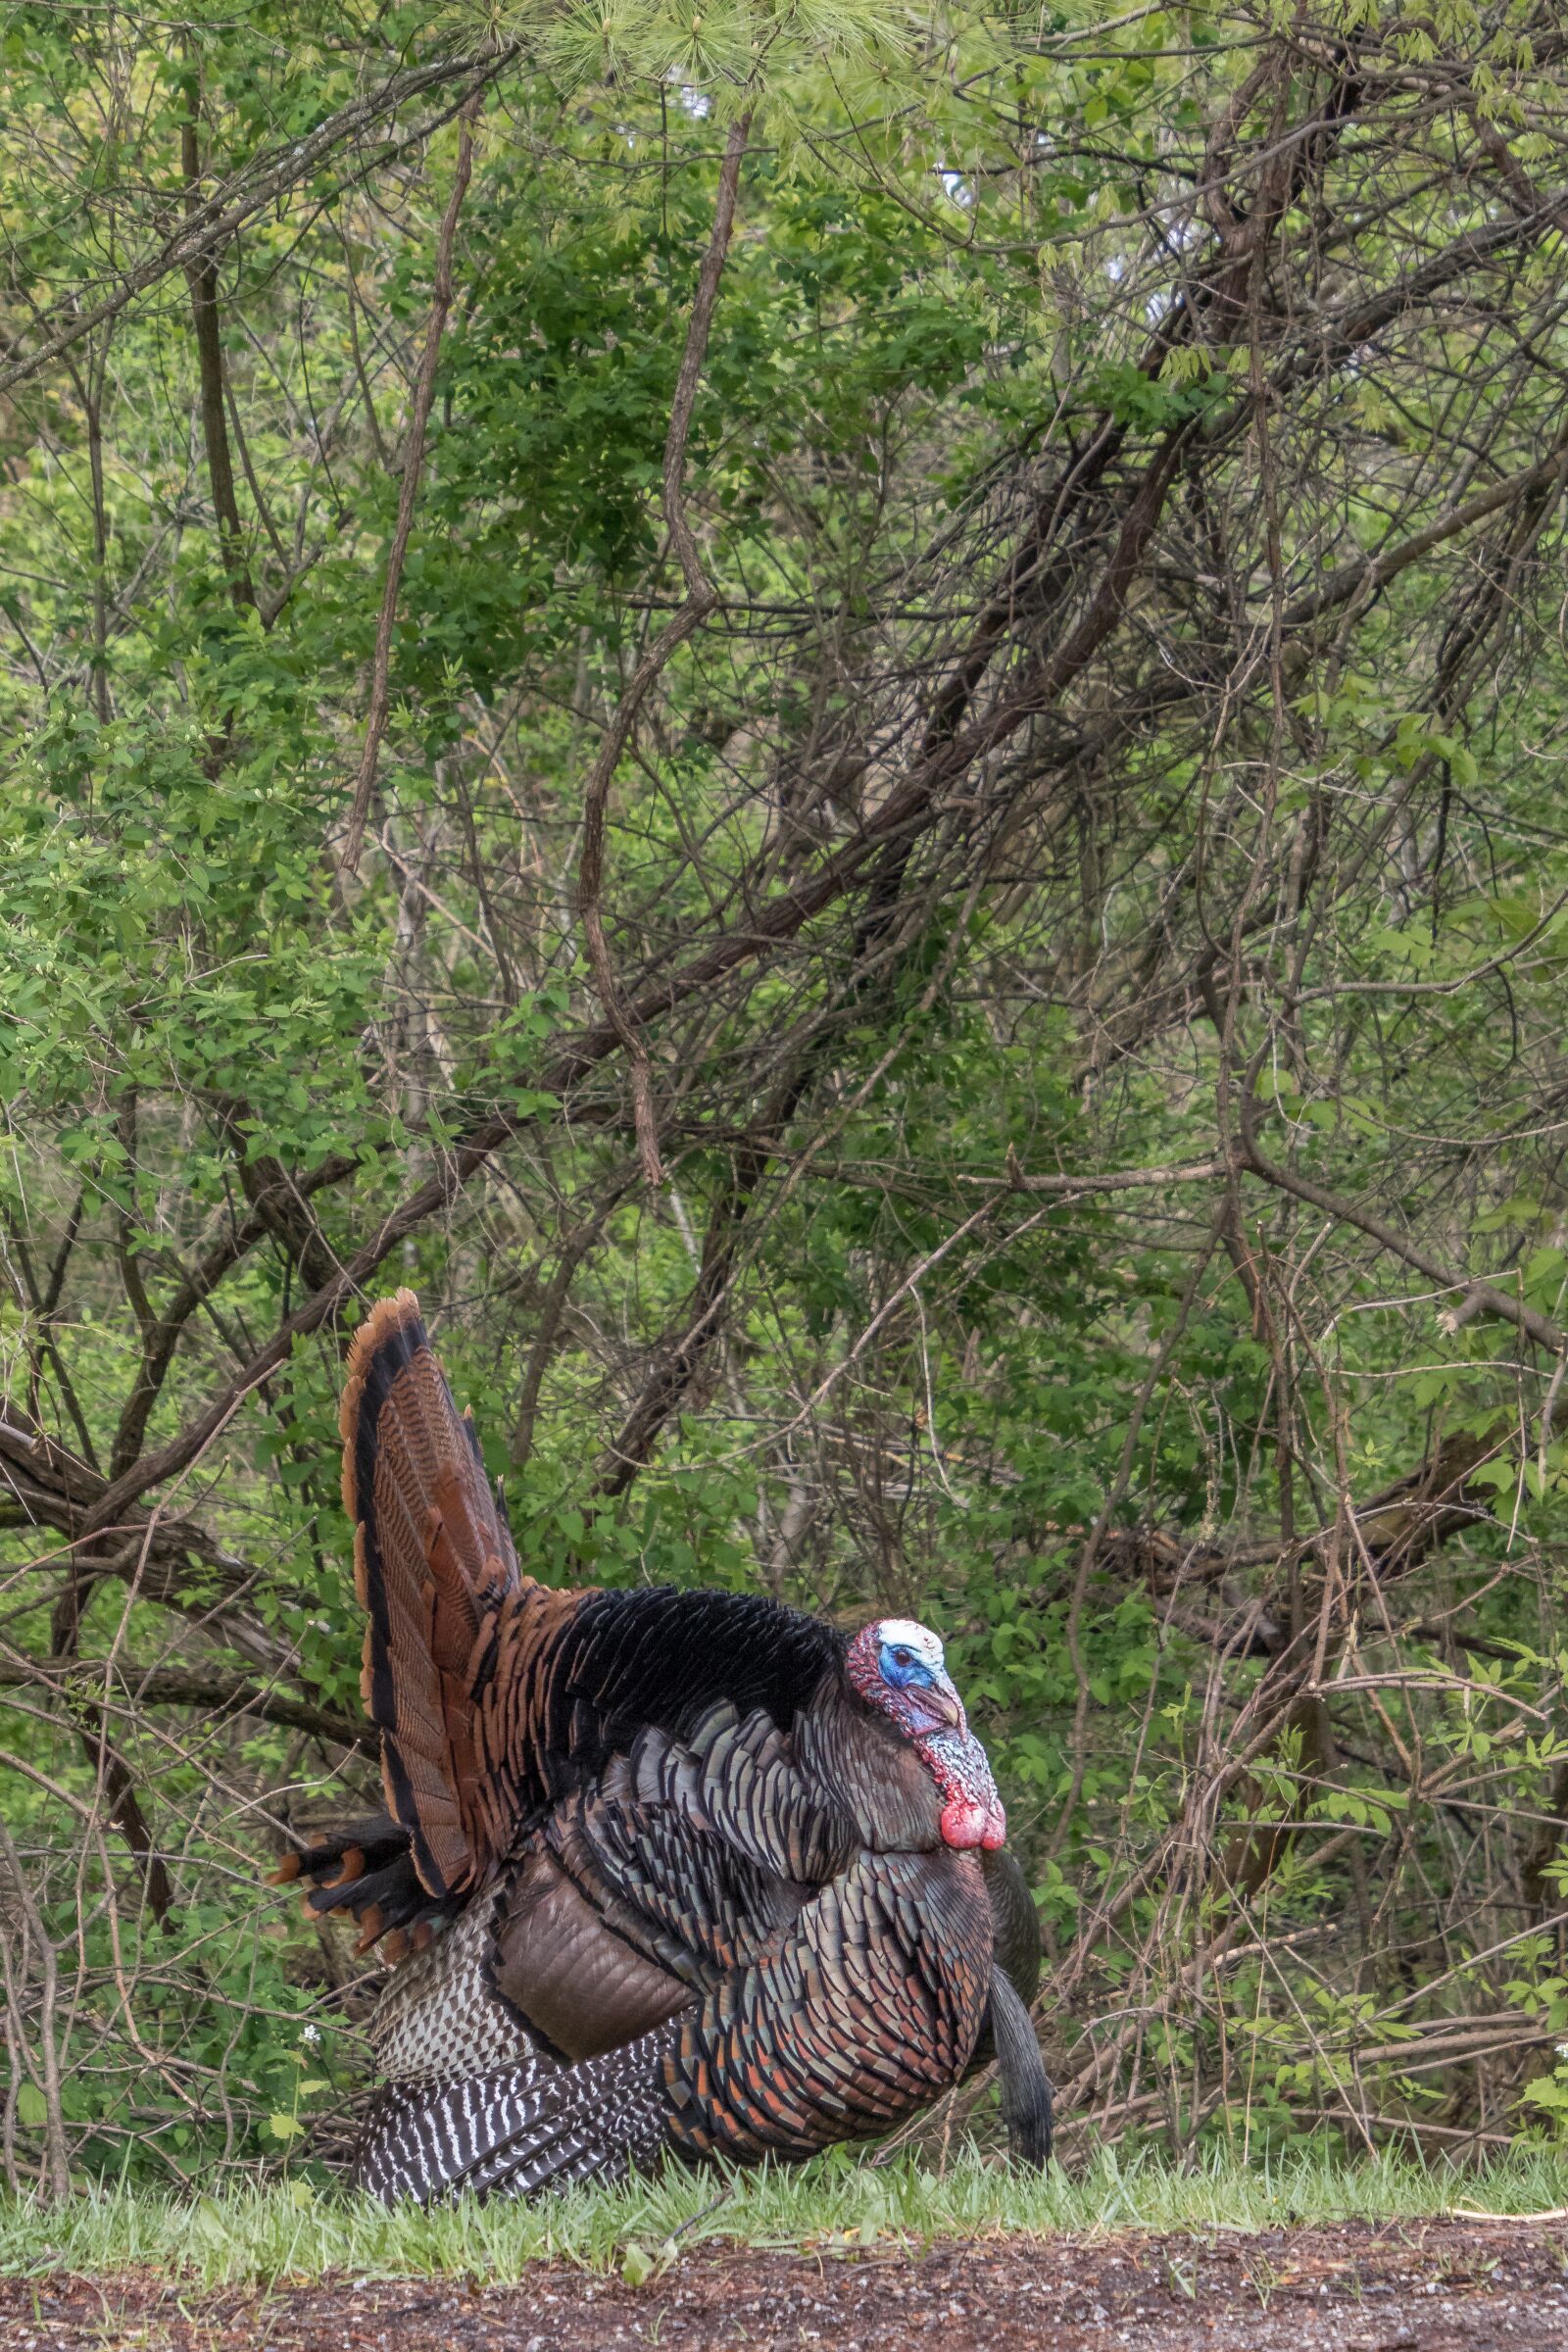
358, 1868
434, 1563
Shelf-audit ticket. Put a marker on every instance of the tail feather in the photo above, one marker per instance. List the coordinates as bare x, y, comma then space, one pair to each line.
433, 1562
364, 1869
454, 1641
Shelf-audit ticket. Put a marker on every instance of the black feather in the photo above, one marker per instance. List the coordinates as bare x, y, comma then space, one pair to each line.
1026, 2091
665, 1658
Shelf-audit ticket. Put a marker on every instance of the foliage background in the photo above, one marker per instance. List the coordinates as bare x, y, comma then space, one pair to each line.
1088, 899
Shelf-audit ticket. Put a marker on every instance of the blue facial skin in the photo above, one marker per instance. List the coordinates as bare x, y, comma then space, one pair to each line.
904, 1670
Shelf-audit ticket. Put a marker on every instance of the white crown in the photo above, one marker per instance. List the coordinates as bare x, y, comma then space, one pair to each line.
901, 1633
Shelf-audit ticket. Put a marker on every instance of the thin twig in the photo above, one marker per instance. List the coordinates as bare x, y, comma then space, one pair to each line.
412, 469
701, 597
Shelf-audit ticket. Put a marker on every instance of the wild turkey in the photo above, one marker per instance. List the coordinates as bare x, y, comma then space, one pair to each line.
661, 1871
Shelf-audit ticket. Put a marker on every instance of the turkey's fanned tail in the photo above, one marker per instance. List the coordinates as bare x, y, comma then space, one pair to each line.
434, 1563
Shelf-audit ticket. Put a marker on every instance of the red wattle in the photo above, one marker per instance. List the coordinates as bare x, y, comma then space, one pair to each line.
965, 1825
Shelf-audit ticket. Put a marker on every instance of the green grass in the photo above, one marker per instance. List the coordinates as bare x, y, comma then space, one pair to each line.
291, 2231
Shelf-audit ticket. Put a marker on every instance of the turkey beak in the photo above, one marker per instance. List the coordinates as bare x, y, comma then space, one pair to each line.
945, 1703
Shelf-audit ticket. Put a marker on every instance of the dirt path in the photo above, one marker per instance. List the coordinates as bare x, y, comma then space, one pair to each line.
1416, 2286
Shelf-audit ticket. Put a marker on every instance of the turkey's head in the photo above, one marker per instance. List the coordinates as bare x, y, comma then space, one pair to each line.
898, 1667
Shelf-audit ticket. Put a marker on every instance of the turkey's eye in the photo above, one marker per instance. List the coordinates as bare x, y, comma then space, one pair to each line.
903, 1657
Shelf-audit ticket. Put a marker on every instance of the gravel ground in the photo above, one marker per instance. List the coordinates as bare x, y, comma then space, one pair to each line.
1412, 2286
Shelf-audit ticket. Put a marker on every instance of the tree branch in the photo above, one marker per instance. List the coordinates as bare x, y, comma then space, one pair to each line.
1536, 1327
185, 1687
250, 191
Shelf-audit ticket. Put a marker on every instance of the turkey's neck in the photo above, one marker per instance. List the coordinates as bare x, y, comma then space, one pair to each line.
865, 1768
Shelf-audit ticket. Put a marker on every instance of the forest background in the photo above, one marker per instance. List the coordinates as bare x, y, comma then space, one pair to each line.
852, 722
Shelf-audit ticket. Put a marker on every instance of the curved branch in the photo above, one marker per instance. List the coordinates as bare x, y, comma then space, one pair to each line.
181, 1687
1477, 1293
